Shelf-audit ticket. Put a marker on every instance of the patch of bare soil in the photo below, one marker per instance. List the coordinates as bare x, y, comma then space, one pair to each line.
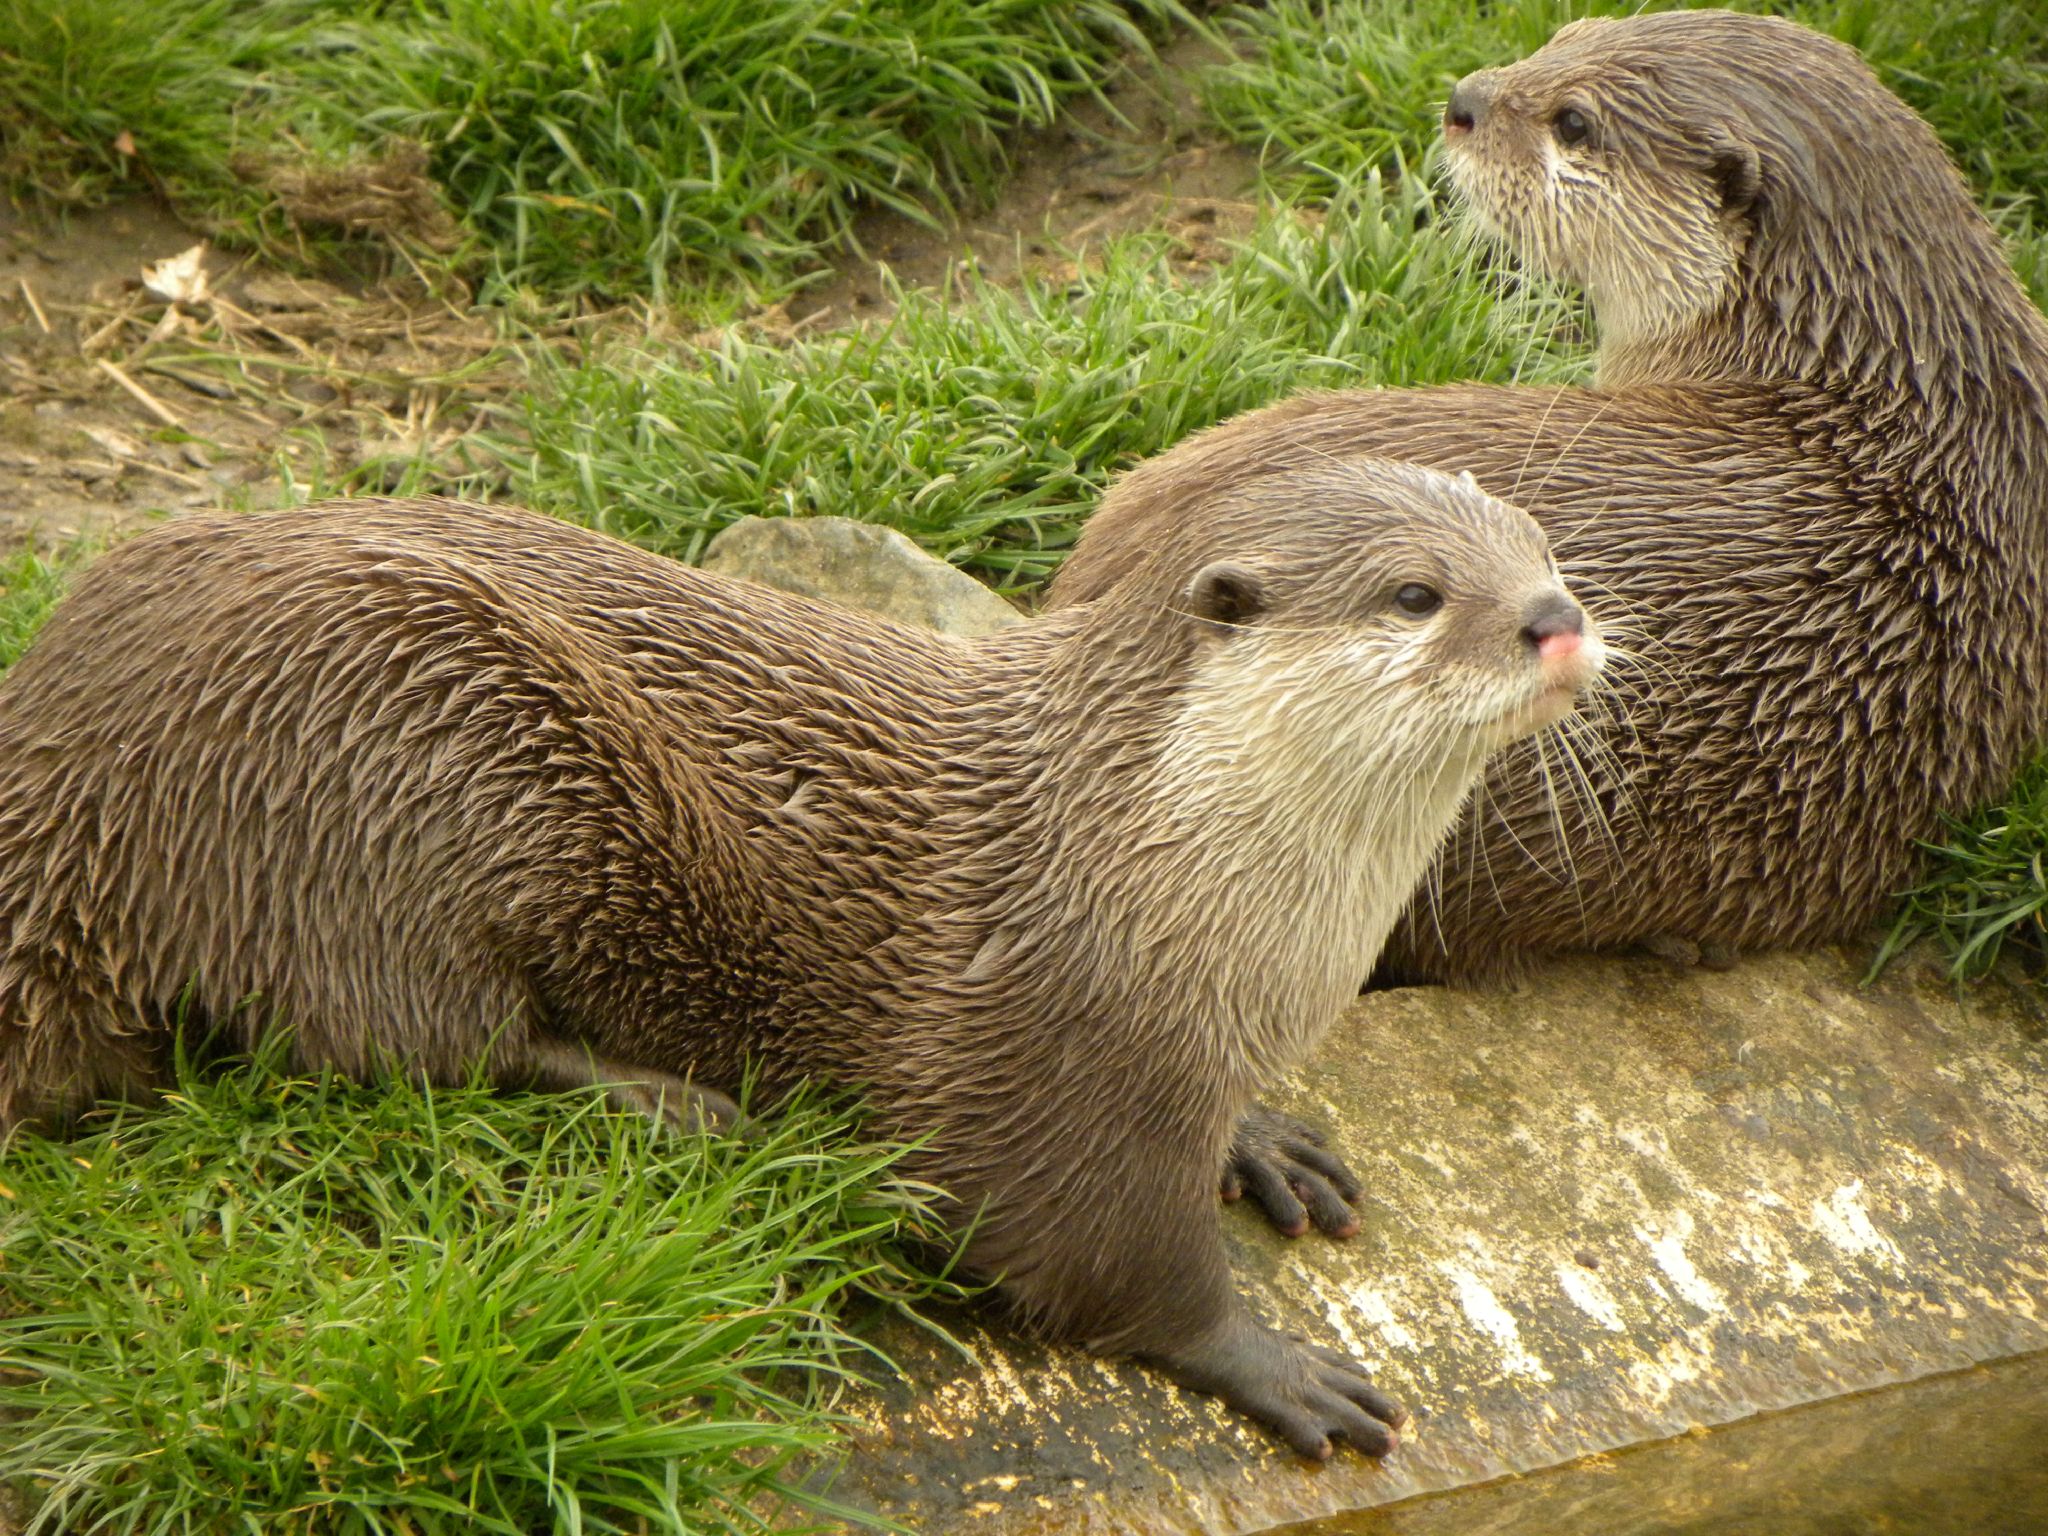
141, 373
1139, 159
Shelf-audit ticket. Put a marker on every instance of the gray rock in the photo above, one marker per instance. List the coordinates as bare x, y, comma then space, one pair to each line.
858, 565
1620, 1203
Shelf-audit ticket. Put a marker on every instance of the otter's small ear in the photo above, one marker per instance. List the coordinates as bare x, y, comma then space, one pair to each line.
1224, 592
1739, 174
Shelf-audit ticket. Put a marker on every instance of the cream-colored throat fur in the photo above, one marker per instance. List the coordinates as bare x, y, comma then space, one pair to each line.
1338, 772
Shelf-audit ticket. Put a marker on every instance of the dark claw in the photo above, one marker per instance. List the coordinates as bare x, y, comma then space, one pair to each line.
1289, 1171
1275, 1196
1359, 1388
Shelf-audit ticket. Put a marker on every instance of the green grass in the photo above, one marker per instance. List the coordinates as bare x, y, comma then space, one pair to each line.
605, 143
29, 588
98, 95
1331, 90
985, 427
599, 147
1985, 892
292, 1305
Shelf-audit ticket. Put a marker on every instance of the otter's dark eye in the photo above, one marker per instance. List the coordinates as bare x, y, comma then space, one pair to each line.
1571, 126
1418, 601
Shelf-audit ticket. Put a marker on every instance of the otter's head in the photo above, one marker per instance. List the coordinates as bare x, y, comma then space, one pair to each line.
1703, 171
1358, 620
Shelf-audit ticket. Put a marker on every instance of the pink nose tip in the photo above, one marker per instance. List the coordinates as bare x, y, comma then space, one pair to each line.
1563, 643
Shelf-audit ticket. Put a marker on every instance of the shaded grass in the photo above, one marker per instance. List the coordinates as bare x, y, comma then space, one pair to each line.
604, 143
593, 146
984, 428
101, 95
300, 1305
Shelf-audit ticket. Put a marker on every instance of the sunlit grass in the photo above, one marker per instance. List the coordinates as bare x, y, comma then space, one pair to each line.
286, 1304
985, 426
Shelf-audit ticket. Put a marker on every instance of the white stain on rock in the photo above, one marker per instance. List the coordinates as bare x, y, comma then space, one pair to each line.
1668, 1249
1372, 1308
1483, 1309
1842, 1220
1589, 1296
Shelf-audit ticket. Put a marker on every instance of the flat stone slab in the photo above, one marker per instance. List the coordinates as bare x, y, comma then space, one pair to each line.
1952, 1455
1615, 1205
858, 565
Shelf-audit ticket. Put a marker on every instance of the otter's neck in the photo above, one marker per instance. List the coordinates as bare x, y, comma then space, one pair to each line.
1894, 298
1234, 840
1928, 314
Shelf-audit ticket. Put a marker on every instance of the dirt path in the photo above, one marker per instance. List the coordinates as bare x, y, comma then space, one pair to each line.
119, 400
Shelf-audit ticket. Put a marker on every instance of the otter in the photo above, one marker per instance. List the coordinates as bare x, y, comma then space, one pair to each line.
446, 786
1808, 487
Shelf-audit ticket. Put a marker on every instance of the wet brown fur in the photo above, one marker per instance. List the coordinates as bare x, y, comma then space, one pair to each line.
1808, 494
437, 784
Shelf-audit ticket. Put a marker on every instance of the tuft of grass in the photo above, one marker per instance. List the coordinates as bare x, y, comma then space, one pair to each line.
1985, 891
297, 1305
1333, 88
102, 96
603, 143
595, 146
985, 428
1332, 92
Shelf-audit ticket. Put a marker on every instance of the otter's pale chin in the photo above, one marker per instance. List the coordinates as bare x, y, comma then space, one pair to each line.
1548, 706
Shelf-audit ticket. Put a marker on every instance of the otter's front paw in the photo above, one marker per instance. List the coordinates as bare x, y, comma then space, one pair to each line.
1308, 1395
1288, 1169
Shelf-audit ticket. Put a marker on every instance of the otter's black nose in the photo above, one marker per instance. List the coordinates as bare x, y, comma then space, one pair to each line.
1552, 616
1469, 100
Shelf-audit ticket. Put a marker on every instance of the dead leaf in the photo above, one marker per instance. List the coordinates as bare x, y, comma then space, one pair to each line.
179, 279
574, 204
119, 444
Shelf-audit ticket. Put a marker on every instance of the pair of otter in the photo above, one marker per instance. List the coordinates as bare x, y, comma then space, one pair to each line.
448, 782
1810, 490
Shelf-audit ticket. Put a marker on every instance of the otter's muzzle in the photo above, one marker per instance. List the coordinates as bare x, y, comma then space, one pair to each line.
1470, 99
1555, 626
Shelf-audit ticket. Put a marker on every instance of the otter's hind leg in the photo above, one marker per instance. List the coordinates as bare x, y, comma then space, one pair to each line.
601, 860
555, 1066
60, 1062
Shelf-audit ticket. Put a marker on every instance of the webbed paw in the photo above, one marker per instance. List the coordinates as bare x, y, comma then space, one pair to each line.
1310, 1396
1288, 1169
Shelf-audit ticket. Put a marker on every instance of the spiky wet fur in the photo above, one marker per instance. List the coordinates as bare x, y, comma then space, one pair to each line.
1808, 495
436, 784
